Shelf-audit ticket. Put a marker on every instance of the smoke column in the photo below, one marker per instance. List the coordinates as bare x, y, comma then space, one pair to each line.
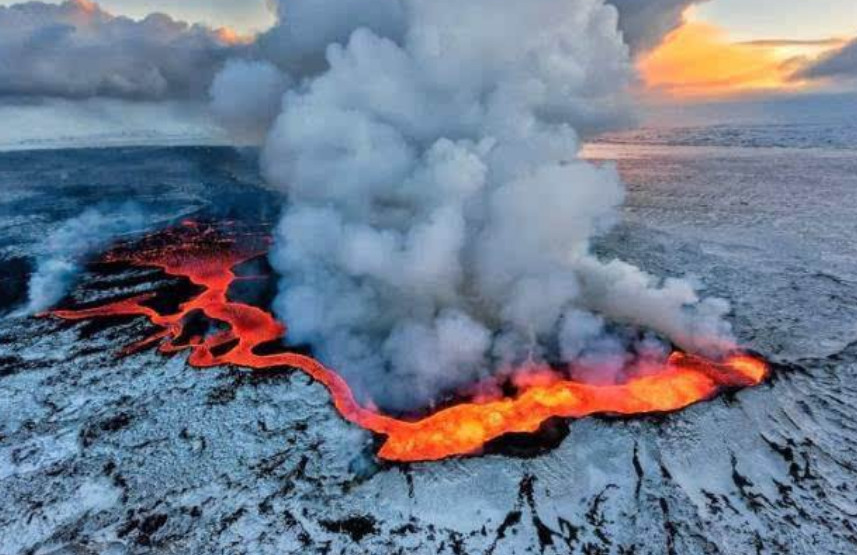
67, 246
439, 218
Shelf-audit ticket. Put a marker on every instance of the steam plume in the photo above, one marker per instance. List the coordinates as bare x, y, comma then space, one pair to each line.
67, 246
247, 96
439, 218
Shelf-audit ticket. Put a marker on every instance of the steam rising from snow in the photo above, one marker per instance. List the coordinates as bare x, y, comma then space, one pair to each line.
439, 218
66, 247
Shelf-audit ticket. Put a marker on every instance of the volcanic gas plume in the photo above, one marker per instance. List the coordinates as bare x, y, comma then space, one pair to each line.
207, 257
438, 222
436, 240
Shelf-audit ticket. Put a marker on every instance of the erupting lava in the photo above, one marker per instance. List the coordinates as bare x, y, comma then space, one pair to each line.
207, 257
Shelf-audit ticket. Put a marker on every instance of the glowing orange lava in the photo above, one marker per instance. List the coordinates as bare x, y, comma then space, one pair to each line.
208, 259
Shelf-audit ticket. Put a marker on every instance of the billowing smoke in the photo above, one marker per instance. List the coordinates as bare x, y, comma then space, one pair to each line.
306, 28
66, 248
76, 50
840, 64
439, 220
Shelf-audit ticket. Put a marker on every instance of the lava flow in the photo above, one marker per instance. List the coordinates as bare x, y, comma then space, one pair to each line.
208, 259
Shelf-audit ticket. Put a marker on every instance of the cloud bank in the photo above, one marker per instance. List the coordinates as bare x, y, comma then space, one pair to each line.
439, 218
645, 23
76, 50
839, 64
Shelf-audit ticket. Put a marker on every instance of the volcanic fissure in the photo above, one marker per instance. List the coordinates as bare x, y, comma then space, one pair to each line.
208, 256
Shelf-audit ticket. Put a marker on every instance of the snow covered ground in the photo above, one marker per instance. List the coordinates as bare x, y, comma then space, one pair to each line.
57, 123
144, 455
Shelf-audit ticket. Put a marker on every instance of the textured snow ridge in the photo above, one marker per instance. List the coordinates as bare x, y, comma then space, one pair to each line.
100, 454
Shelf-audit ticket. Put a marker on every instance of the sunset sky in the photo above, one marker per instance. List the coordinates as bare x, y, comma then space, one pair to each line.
734, 47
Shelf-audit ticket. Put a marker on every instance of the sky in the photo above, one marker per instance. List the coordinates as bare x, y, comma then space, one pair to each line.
730, 48
792, 19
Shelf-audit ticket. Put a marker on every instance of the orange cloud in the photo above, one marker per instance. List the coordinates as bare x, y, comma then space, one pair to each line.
699, 60
230, 37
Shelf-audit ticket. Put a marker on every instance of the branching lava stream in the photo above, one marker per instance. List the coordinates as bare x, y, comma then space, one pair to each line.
208, 257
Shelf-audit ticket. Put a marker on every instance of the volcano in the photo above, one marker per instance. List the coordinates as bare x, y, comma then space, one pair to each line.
207, 254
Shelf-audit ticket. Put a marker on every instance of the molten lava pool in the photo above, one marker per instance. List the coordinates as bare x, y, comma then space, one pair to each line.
208, 257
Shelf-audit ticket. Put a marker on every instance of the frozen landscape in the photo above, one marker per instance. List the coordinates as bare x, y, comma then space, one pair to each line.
143, 454
428, 276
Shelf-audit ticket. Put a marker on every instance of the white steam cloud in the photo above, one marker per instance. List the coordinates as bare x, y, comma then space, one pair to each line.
307, 27
247, 96
66, 248
77, 50
439, 218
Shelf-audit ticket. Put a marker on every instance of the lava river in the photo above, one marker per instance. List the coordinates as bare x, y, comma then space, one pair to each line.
208, 258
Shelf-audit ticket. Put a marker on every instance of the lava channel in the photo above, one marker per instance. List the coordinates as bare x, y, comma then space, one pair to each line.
208, 257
